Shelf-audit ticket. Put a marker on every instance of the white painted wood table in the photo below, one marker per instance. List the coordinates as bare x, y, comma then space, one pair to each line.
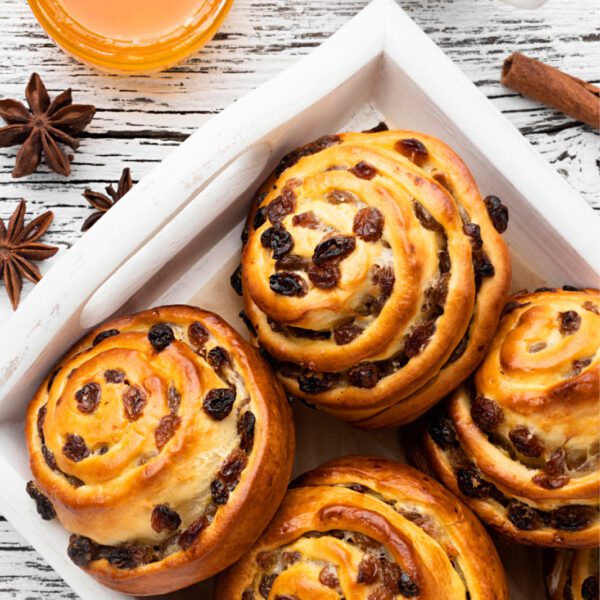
140, 119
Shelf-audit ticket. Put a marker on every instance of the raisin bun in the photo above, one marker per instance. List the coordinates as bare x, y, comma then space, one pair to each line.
374, 273
368, 528
163, 442
520, 442
573, 575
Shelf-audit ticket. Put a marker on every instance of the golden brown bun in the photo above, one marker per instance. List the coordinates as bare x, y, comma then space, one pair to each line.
522, 441
163, 480
573, 575
373, 275
365, 527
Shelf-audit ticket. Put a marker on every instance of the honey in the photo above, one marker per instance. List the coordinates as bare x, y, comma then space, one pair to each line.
132, 36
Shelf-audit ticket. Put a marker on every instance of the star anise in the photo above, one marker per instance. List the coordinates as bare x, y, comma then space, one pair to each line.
103, 203
19, 246
41, 127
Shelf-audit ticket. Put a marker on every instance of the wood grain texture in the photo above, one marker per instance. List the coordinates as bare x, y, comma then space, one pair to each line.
140, 119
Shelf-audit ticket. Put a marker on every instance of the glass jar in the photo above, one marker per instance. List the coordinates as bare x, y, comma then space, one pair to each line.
131, 36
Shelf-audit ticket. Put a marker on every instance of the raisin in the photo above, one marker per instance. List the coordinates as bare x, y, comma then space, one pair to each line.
381, 126
160, 336
290, 558
435, 295
523, 517
498, 213
444, 261
346, 333
416, 341
334, 248
460, 349
42, 504
231, 469
368, 569
236, 280
590, 589
328, 577
41, 416
289, 160
288, 284
198, 335
537, 347
408, 588
75, 448
278, 239
471, 484
569, 321
381, 593
551, 482
482, 265
189, 535
52, 378
114, 376
391, 573
357, 487
579, 365
573, 517
473, 231
219, 492
325, 277
413, 149
165, 430
486, 413
363, 170
368, 224
591, 307
81, 550
313, 382
127, 557
555, 465
173, 400
341, 197
164, 518
364, 375
245, 428
218, 403
292, 262
134, 402
282, 206
441, 429
260, 217
310, 334
266, 560
265, 585
369, 306
512, 306
248, 595
49, 458
526, 442
384, 277
103, 335
306, 219
218, 358
248, 323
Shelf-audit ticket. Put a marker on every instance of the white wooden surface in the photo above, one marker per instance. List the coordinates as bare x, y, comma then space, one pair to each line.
140, 119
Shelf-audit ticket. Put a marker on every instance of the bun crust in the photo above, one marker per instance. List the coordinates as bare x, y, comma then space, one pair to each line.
368, 527
153, 439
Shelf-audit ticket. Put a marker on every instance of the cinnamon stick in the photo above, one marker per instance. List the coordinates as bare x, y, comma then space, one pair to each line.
570, 95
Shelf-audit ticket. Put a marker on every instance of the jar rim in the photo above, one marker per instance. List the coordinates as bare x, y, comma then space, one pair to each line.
142, 56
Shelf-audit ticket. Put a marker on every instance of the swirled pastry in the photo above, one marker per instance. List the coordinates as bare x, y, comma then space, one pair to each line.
573, 575
521, 441
165, 444
366, 528
373, 273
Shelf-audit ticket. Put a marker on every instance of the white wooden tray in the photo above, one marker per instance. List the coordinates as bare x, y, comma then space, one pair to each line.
175, 239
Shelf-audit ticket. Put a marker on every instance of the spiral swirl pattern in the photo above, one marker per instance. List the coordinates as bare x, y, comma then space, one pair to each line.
373, 274
368, 528
521, 441
573, 575
150, 437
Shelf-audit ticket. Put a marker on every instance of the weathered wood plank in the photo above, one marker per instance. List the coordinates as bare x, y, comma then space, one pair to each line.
141, 119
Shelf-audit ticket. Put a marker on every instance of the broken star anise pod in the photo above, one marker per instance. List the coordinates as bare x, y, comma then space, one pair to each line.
40, 128
103, 203
19, 246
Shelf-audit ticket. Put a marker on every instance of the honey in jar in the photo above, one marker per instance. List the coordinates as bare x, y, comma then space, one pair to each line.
132, 36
